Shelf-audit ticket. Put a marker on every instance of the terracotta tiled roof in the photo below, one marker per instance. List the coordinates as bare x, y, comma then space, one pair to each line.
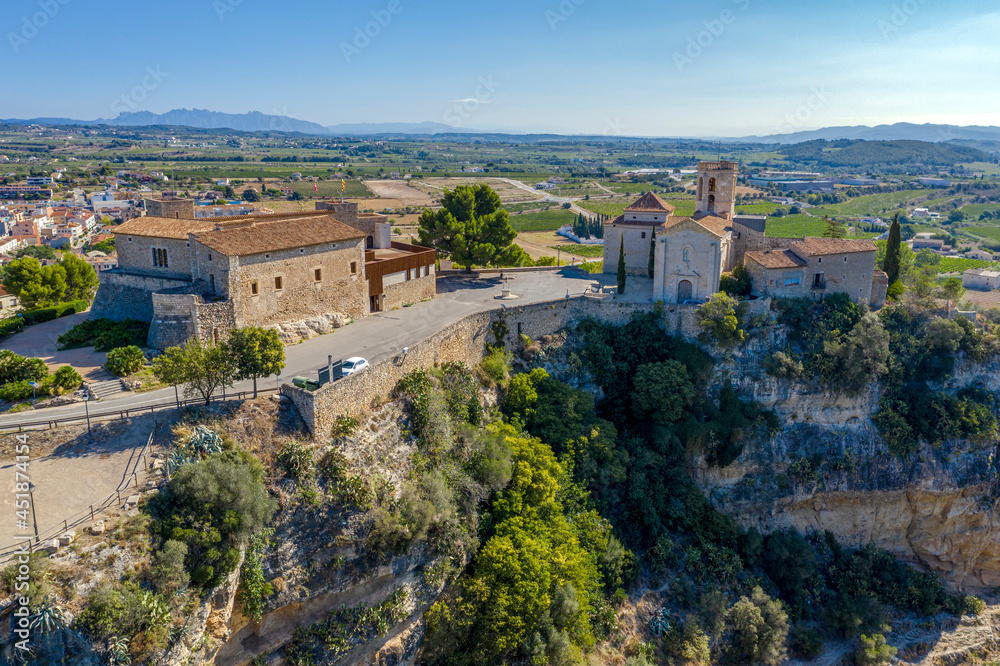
712, 224
163, 227
256, 235
776, 259
650, 203
823, 246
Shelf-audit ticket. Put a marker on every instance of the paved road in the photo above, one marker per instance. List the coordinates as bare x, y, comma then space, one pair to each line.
379, 336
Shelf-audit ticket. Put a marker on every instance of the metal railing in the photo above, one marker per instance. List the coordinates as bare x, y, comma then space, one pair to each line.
50, 423
90, 513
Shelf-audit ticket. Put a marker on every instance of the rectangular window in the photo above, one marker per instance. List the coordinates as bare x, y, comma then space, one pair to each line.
644, 235
211, 283
277, 283
210, 256
354, 267
318, 275
253, 288
792, 281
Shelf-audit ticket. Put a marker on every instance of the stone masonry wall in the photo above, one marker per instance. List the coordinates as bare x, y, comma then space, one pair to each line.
173, 320
135, 253
126, 296
465, 341
410, 291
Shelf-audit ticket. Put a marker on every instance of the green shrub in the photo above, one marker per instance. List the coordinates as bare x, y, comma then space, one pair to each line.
759, 628
16, 391
105, 334
10, 326
48, 314
125, 361
167, 573
39, 587
254, 589
122, 609
720, 318
67, 378
14, 368
873, 651
496, 366
213, 506
973, 606
805, 642
297, 461
344, 426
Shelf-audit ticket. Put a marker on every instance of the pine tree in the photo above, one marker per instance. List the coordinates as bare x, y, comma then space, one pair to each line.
891, 262
834, 228
621, 266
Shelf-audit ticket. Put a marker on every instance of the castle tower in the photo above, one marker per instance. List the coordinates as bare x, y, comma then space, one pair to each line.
716, 185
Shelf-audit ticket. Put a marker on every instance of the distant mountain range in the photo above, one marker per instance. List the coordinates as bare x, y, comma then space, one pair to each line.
898, 132
256, 121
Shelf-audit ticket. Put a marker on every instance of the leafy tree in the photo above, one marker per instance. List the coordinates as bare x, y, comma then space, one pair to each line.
891, 264
471, 227
15, 368
213, 506
863, 355
956, 216
251, 195
36, 286
229, 192
663, 391
167, 571
204, 368
834, 228
622, 277
81, 278
759, 627
720, 321
36, 251
738, 284
256, 352
926, 258
951, 290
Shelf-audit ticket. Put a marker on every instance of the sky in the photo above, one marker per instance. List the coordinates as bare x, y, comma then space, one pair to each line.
712, 68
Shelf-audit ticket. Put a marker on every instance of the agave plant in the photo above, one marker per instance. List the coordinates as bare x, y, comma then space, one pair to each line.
178, 458
118, 654
204, 442
48, 617
659, 624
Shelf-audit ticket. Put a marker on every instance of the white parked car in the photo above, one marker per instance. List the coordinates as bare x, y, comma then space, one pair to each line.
354, 365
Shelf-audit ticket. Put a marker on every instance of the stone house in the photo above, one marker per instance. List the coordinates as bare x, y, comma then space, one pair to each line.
302, 274
981, 279
817, 267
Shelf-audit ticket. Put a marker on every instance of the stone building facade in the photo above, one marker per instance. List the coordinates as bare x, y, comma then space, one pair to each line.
170, 207
691, 256
302, 274
716, 189
818, 267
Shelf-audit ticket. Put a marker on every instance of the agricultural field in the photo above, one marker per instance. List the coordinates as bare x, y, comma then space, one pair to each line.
549, 220
757, 208
988, 168
587, 251
991, 233
618, 206
329, 189
959, 265
878, 204
530, 206
975, 210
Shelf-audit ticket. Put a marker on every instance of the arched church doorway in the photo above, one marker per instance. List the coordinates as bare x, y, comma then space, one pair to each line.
711, 203
684, 291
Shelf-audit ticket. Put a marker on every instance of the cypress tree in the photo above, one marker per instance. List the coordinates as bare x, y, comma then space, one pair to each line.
891, 262
621, 266
652, 254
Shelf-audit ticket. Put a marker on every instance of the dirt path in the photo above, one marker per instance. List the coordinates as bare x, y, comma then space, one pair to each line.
70, 470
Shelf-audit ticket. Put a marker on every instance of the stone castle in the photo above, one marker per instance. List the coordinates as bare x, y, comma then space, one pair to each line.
301, 274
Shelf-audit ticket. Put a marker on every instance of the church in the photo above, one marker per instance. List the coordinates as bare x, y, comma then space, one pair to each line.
689, 254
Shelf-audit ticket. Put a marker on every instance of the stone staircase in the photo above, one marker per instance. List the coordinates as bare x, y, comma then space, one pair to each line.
106, 390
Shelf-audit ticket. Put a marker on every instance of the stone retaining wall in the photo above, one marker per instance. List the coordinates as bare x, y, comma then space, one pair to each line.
129, 296
465, 341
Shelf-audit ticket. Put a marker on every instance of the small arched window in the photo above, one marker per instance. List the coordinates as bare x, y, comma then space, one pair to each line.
687, 254
711, 184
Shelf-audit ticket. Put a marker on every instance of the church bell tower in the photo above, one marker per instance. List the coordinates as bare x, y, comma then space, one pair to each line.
716, 185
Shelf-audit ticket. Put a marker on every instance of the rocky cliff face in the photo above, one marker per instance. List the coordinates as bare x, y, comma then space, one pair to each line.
829, 470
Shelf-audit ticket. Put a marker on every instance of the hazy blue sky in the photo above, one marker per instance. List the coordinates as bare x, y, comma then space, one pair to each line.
714, 68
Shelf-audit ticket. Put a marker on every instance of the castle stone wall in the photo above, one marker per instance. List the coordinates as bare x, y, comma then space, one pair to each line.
129, 296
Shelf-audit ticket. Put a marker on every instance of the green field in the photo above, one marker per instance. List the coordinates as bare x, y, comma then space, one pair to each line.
758, 208
549, 220
959, 264
975, 210
588, 251
988, 168
992, 233
534, 205
330, 189
877, 203
795, 225
617, 207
